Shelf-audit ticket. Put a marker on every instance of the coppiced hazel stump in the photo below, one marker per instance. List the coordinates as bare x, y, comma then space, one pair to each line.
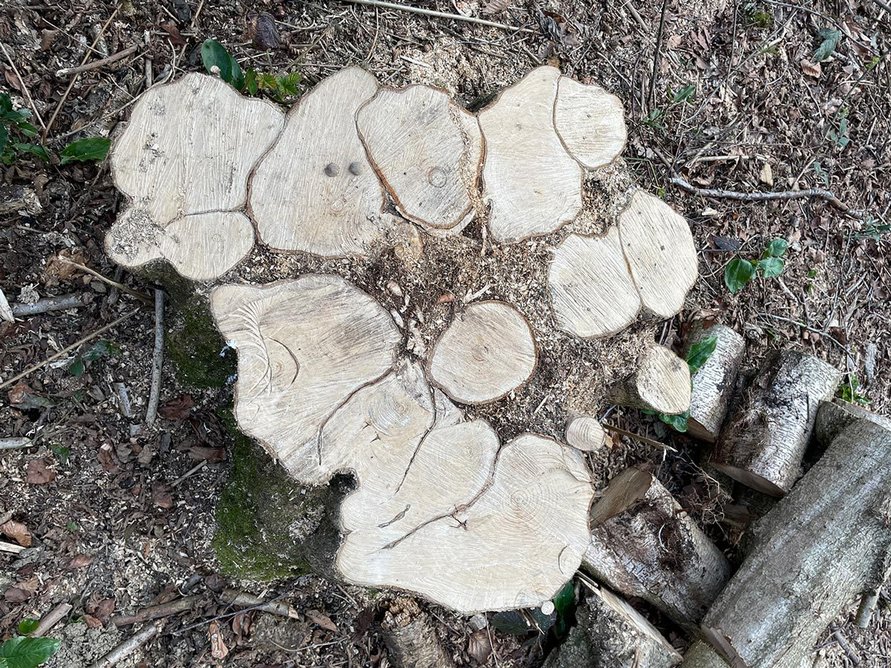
330, 381
825, 542
661, 383
713, 384
765, 436
643, 544
612, 634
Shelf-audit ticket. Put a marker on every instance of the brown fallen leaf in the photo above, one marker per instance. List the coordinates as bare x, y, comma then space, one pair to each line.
162, 495
23, 397
321, 619
210, 455
80, 561
218, 649
493, 7
479, 647
17, 531
16, 595
92, 622
263, 31
37, 473
811, 69
178, 408
173, 32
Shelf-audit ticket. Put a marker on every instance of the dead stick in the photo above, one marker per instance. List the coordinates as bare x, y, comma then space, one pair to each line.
47, 304
816, 193
188, 474
50, 619
68, 349
157, 611
157, 360
15, 443
24, 86
637, 437
243, 599
129, 646
66, 71
120, 286
11, 547
440, 15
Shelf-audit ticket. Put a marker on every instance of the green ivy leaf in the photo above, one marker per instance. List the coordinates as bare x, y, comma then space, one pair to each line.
218, 61
700, 352
21, 652
86, 150
250, 82
771, 267
77, 367
100, 349
28, 625
777, 248
32, 149
5, 103
61, 452
676, 422
830, 39
738, 273
4, 137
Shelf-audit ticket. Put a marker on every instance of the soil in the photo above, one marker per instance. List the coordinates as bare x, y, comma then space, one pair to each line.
725, 95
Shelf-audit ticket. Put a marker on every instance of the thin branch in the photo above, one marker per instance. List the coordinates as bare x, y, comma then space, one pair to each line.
184, 604
47, 304
50, 619
812, 193
96, 64
12, 548
439, 15
637, 437
68, 349
656, 54
157, 360
129, 646
24, 86
15, 443
120, 286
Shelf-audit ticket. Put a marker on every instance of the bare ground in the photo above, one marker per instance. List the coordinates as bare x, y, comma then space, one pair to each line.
111, 529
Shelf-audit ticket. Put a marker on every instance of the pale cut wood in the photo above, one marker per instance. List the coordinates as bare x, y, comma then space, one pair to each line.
427, 151
5, 310
487, 351
661, 255
644, 544
612, 634
714, 382
764, 439
532, 184
821, 545
591, 288
304, 347
315, 191
701, 655
510, 539
590, 122
661, 383
200, 246
585, 433
410, 638
833, 416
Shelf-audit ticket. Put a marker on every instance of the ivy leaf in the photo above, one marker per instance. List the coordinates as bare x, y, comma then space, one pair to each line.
21, 652
4, 137
27, 626
738, 273
830, 39
676, 422
33, 149
777, 248
700, 352
77, 367
218, 61
87, 149
771, 267
250, 82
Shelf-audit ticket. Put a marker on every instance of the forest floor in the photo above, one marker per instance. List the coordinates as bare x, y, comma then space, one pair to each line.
121, 516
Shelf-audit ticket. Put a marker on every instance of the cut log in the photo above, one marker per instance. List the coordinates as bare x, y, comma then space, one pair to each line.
612, 634
188, 149
714, 382
410, 638
661, 383
822, 544
766, 435
833, 417
585, 434
591, 288
428, 153
315, 191
532, 184
590, 122
484, 354
701, 655
660, 252
644, 544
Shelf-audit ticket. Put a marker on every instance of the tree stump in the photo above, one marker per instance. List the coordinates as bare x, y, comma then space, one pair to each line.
714, 382
766, 434
364, 347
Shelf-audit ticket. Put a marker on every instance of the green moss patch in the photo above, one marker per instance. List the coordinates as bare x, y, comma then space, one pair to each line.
197, 348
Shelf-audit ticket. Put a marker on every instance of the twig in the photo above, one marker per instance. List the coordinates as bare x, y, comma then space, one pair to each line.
812, 193
184, 604
656, 55
129, 646
24, 86
50, 619
68, 349
11, 547
157, 360
120, 286
47, 304
243, 599
123, 399
188, 474
71, 83
637, 437
808, 328
15, 443
96, 64
843, 643
440, 15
